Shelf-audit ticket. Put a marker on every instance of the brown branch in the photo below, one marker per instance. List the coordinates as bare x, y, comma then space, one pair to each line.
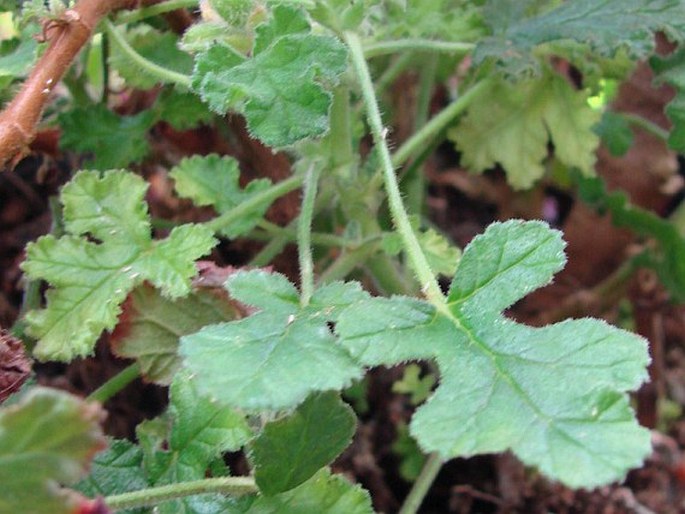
66, 37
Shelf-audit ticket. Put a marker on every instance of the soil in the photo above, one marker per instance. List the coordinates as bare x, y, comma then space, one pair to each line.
462, 205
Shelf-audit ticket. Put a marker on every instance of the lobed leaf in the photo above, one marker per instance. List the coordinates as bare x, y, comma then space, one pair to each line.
180, 446
109, 140
91, 279
275, 358
514, 123
605, 27
213, 180
671, 70
116, 470
324, 493
290, 450
47, 440
553, 395
282, 89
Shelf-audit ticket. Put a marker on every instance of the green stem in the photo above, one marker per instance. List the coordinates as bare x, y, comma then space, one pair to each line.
437, 124
115, 384
163, 74
263, 197
304, 231
233, 486
346, 262
645, 125
394, 70
416, 44
340, 136
153, 10
418, 491
429, 284
415, 180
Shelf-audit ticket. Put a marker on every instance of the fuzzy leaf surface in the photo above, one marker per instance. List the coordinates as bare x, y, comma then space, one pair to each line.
180, 446
605, 27
109, 140
47, 440
324, 493
282, 89
91, 279
213, 180
116, 470
275, 358
290, 450
514, 123
554, 395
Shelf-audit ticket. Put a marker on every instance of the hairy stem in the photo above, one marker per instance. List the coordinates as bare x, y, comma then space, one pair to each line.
19, 119
164, 74
429, 284
304, 230
267, 196
646, 125
416, 44
418, 491
153, 10
233, 486
115, 384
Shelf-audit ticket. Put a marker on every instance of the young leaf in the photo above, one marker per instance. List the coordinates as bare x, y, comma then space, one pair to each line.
605, 26
554, 395
290, 450
110, 140
116, 470
47, 440
213, 180
324, 493
671, 70
274, 359
282, 88
200, 431
91, 278
514, 123
151, 326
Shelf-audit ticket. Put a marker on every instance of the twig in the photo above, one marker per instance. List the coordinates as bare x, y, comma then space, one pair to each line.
19, 119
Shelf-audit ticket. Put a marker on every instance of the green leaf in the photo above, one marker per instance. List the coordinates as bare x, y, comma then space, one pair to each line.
116, 470
513, 124
411, 457
180, 446
671, 70
442, 255
322, 494
110, 140
155, 46
151, 327
604, 27
668, 258
290, 450
615, 132
282, 90
213, 180
91, 278
412, 383
47, 440
275, 358
554, 395
182, 111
